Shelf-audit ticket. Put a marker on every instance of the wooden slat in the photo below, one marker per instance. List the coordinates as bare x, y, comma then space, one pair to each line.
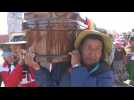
55, 38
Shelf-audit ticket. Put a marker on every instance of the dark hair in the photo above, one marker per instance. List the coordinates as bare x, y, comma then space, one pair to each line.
132, 38
95, 37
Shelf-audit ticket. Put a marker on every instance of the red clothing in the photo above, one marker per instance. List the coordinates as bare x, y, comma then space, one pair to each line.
31, 81
32, 84
14, 78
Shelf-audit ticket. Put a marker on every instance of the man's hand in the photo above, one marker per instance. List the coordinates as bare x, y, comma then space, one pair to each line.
29, 60
75, 57
21, 59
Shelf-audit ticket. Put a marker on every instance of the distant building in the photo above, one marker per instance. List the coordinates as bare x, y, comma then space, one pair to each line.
14, 21
10, 22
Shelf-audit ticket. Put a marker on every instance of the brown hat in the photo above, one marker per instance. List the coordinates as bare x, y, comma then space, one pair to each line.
107, 40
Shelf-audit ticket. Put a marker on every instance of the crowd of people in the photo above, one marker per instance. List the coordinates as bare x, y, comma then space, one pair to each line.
99, 60
123, 56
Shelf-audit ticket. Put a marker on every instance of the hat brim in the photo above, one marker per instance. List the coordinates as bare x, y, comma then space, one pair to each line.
107, 40
19, 42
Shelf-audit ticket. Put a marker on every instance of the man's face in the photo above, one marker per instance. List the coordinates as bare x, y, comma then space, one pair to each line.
16, 48
91, 51
9, 59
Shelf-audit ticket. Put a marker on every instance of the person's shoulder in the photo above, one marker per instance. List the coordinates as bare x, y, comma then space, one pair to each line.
42, 70
105, 79
104, 68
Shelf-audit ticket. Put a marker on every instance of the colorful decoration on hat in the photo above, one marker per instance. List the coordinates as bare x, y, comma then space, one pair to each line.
94, 26
91, 25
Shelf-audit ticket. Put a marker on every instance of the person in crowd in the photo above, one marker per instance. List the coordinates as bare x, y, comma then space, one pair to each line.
10, 71
119, 63
130, 58
15, 71
88, 65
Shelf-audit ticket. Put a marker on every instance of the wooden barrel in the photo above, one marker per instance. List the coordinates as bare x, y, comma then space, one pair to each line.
52, 35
